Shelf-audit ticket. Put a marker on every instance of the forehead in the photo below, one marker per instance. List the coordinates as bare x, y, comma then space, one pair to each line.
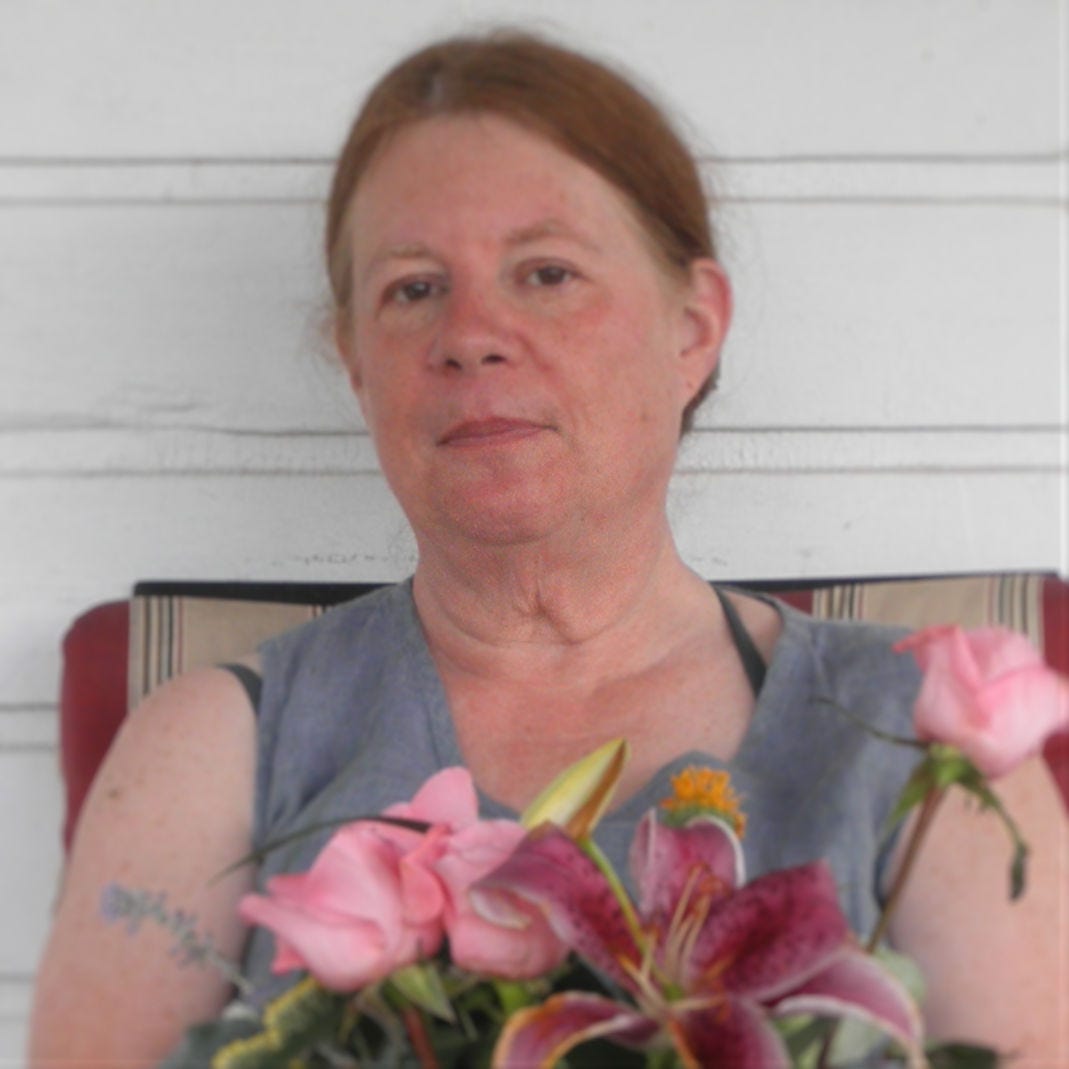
480, 173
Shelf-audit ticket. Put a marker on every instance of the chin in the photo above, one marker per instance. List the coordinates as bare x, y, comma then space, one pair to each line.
500, 530
499, 518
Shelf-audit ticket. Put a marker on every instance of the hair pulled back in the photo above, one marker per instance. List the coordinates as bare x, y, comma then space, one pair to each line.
580, 105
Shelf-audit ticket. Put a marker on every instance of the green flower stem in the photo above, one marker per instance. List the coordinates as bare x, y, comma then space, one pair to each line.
422, 1046
928, 809
663, 1058
593, 851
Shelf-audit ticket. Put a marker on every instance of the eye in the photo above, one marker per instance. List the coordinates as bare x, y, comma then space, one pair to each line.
549, 275
411, 291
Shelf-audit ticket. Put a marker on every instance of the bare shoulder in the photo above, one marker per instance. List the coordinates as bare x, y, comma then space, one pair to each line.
177, 731
170, 809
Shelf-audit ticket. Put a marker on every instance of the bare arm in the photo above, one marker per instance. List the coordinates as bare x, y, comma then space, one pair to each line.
998, 971
170, 808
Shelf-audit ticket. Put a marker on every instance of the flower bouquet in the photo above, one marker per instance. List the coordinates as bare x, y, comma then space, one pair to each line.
426, 937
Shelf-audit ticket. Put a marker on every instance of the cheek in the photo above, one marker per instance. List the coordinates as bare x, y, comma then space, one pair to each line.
374, 366
630, 358
375, 393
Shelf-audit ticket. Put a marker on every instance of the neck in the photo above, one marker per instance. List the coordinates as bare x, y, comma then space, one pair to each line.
521, 611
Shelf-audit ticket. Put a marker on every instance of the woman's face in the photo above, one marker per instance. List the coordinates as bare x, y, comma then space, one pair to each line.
521, 357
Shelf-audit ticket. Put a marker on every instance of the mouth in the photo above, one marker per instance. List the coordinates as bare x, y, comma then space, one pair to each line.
495, 430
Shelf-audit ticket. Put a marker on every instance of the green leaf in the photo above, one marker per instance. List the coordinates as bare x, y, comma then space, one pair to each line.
202, 1041
919, 785
977, 785
421, 984
904, 969
804, 1037
293, 1025
950, 766
962, 1056
513, 995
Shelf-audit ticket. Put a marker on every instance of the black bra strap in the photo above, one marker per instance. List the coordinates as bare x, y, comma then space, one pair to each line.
250, 679
752, 661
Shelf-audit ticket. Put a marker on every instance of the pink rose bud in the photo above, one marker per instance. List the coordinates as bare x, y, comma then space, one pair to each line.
367, 906
988, 692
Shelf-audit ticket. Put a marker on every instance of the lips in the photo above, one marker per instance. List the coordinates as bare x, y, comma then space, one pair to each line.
489, 431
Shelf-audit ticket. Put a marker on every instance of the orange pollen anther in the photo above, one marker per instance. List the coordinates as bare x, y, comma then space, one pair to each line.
706, 790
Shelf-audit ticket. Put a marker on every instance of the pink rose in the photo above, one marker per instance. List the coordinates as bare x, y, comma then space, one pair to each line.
368, 905
380, 896
448, 798
371, 902
518, 944
987, 692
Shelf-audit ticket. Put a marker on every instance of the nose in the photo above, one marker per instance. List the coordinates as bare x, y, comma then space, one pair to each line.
475, 331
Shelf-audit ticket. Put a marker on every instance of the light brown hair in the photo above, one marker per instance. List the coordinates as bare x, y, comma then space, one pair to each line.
580, 105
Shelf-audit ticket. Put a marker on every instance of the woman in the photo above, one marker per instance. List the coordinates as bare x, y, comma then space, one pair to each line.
529, 307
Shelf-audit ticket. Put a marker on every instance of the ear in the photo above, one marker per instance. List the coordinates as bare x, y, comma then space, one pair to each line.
706, 310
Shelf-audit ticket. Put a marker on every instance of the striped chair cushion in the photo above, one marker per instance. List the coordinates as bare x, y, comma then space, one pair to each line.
174, 627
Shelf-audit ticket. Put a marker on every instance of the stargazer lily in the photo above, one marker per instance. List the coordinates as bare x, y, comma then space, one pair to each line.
706, 962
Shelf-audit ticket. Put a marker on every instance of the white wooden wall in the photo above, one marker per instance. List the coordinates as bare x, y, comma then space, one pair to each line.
893, 179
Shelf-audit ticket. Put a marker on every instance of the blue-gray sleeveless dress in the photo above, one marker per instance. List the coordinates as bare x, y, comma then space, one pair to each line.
353, 717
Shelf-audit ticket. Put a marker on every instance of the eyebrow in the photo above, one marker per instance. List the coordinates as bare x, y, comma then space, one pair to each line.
413, 251
549, 228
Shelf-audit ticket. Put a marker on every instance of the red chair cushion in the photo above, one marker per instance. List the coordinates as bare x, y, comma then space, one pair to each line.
92, 699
